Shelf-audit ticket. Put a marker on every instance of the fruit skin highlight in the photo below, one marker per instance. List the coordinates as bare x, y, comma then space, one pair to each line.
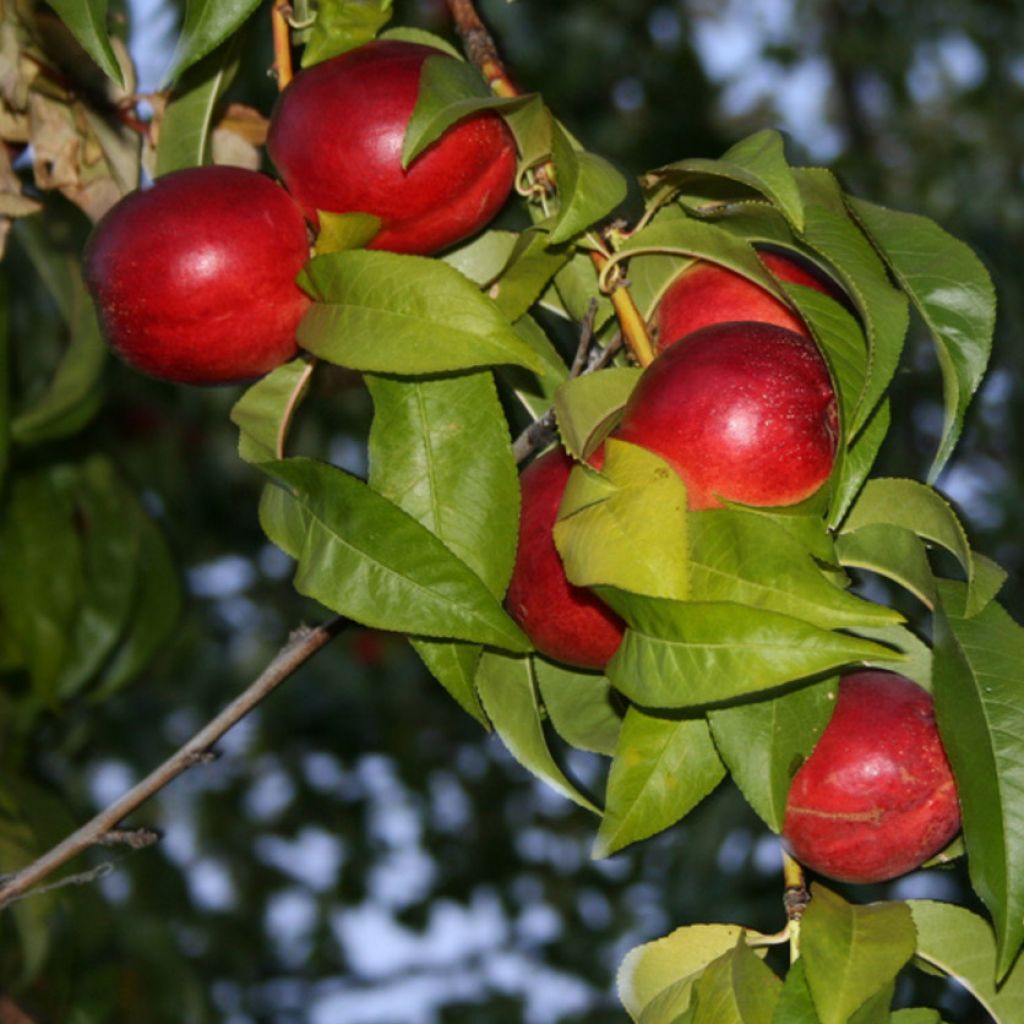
564, 622
336, 137
877, 797
194, 278
743, 411
707, 293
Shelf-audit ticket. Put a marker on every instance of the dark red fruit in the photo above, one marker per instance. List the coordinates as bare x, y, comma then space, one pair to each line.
194, 278
744, 412
565, 622
336, 138
706, 294
876, 798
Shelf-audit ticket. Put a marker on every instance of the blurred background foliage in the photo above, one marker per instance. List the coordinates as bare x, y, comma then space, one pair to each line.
362, 852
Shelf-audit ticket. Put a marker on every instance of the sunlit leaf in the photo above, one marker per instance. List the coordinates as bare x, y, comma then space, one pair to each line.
342, 25
737, 988
852, 951
582, 707
585, 406
264, 412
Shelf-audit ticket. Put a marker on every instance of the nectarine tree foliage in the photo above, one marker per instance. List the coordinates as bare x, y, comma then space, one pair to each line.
682, 596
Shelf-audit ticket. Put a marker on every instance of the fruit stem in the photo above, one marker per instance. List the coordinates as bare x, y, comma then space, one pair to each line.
795, 899
634, 330
282, 42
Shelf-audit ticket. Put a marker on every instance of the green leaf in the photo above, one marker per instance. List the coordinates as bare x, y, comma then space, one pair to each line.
439, 449
757, 164
856, 461
737, 988
830, 230
74, 394
450, 90
508, 692
530, 268
341, 231
918, 508
625, 527
342, 25
38, 605
663, 768
589, 187
365, 558
263, 414
586, 406
795, 1005
574, 290
581, 706
385, 312
108, 523
454, 666
763, 743
533, 128
483, 257
961, 944
895, 552
187, 124
207, 24
672, 233
87, 21
916, 1015
156, 609
284, 519
951, 289
842, 341
691, 654
852, 952
747, 558
979, 707
663, 971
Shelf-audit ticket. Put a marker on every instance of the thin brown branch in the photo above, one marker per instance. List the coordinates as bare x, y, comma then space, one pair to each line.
105, 826
480, 48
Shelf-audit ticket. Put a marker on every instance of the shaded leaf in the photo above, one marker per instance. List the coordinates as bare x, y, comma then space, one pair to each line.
979, 707
960, 944
586, 406
454, 666
795, 1005
738, 988
87, 20
856, 461
663, 768
508, 693
263, 413
581, 706
951, 289
385, 312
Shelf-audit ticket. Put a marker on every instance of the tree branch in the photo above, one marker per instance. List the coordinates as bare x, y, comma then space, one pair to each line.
103, 828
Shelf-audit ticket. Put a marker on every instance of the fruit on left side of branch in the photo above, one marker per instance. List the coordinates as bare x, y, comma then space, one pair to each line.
876, 798
564, 622
743, 412
336, 137
194, 278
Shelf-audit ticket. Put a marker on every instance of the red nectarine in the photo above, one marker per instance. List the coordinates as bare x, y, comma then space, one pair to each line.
707, 293
194, 278
565, 622
743, 411
876, 798
336, 138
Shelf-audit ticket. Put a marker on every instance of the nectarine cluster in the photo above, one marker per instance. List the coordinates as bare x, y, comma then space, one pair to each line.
194, 279
742, 408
